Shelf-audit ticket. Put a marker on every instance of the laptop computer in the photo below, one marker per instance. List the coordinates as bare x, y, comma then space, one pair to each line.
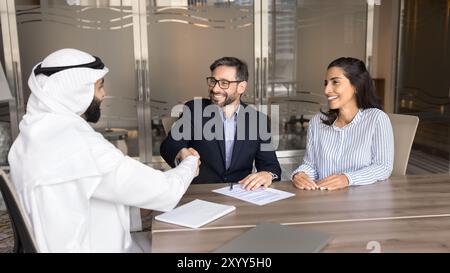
275, 238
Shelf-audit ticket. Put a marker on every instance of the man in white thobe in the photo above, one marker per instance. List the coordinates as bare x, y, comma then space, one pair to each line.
76, 187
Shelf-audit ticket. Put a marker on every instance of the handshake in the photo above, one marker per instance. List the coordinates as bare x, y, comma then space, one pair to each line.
185, 152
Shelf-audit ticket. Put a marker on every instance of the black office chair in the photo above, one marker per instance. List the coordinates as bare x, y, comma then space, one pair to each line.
23, 237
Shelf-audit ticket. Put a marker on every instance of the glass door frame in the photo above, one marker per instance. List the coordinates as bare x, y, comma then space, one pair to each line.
370, 32
142, 68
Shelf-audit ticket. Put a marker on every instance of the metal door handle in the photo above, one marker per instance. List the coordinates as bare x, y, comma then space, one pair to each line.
257, 87
139, 80
146, 81
16, 86
264, 77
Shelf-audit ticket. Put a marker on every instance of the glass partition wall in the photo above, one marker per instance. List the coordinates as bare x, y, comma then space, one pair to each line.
286, 43
109, 29
159, 52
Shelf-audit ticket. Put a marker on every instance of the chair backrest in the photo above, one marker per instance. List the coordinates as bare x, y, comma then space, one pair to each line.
167, 123
404, 127
23, 237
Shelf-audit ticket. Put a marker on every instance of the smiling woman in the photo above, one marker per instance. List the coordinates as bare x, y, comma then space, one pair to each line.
348, 87
352, 143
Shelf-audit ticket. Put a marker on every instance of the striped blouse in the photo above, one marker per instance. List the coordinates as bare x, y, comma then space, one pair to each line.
362, 150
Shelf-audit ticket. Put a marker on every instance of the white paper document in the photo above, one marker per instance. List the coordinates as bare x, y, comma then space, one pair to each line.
259, 197
195, 213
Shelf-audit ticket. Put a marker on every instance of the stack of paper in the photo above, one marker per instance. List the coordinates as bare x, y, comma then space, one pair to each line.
195, 214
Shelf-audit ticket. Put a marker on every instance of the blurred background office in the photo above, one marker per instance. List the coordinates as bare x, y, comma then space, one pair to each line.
159, 52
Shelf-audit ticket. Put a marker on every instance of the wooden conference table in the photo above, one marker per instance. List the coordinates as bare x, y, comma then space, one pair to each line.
405, 214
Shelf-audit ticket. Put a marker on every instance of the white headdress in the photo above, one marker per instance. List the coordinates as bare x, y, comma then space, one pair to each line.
55, 144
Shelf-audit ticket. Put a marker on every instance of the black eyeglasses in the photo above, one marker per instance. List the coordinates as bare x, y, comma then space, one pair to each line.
224, 84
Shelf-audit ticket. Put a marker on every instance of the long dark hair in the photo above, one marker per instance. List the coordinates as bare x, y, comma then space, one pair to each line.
355, 71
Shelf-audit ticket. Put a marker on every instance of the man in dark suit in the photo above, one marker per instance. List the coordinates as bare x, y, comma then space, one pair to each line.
227, 134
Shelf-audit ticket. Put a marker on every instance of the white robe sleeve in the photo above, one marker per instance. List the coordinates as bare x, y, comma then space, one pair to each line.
138, 185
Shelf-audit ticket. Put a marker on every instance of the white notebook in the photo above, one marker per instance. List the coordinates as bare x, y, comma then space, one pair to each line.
195, 213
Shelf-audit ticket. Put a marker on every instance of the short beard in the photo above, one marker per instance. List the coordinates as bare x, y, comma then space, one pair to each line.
229, 99
92, 114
